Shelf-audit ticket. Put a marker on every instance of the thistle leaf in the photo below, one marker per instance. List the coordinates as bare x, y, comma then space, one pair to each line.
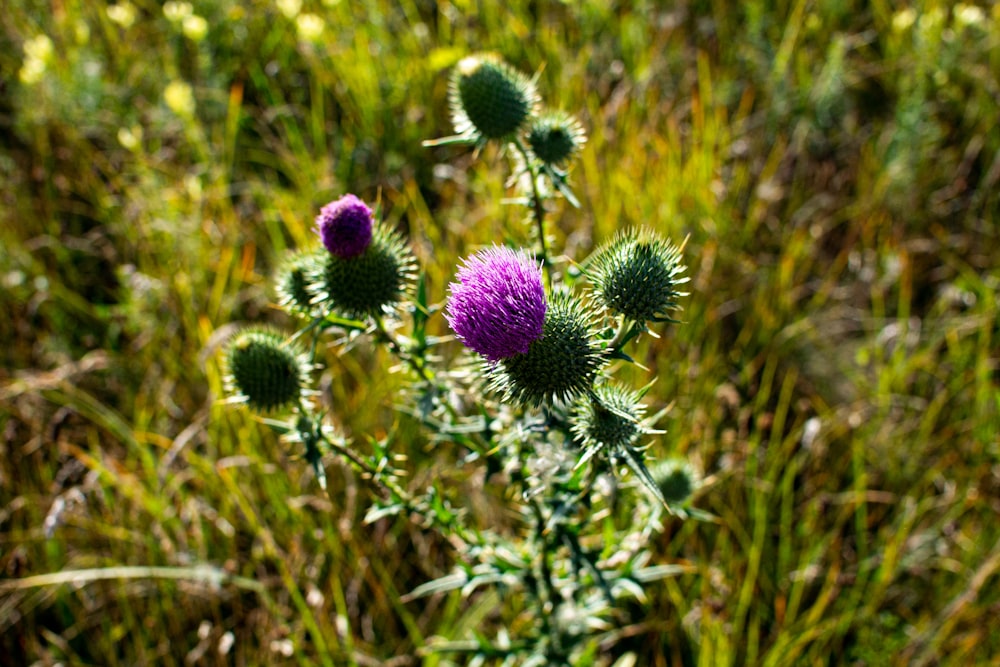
640, 470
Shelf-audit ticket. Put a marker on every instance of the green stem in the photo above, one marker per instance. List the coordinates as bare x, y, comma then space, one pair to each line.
545, 585
626, 331
537, 207
398, 348
378, 481
383, 484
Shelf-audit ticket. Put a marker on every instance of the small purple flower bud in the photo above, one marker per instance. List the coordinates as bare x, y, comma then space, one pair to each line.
498, 306
345, 225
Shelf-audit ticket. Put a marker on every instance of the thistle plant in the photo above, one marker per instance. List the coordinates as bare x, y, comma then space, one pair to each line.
541, 410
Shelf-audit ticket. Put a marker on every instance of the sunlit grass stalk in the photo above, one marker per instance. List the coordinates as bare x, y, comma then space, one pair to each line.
287, 576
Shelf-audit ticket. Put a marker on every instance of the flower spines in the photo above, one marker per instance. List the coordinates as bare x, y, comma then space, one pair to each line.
555, 138
293, 281
560, 365
489, 99
676, 479
607, 418
497, 307
636, 275
264, 370
609, 421
372, 283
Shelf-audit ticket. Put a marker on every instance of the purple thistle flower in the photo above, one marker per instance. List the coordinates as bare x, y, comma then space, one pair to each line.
345, 225
498, 306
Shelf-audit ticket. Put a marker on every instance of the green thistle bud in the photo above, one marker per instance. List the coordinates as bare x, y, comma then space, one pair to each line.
560, 365
489, 99
264, 370
636, 275
293, 281
610, 417
609, 421
370, 284
676, 480
555, 138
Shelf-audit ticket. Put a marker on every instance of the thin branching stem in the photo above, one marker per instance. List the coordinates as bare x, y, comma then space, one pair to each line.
401, 350
386, 486
537, 207
418, 365
627, 330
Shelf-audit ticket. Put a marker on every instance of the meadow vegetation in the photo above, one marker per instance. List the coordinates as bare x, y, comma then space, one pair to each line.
834, 166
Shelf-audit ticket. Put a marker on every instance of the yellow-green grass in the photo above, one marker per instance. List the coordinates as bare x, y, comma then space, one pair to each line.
835, 167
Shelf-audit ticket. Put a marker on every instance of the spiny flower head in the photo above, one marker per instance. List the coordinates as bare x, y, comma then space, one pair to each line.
555, 138
345, 225
489, 99
560, 365
264, 370
497, 307
293, 281
636, 275
608, 418
676, 479
372, 283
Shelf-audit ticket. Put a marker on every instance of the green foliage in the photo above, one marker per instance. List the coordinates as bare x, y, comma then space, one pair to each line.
833, 163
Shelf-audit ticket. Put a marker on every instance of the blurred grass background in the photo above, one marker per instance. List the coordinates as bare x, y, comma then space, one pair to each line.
834, 163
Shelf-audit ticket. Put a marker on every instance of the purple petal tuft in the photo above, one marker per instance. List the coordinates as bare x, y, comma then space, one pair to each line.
497, 307
345, 225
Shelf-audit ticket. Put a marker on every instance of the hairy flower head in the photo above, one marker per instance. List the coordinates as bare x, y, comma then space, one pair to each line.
497, 307
293, 278
345, 225
676, 479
